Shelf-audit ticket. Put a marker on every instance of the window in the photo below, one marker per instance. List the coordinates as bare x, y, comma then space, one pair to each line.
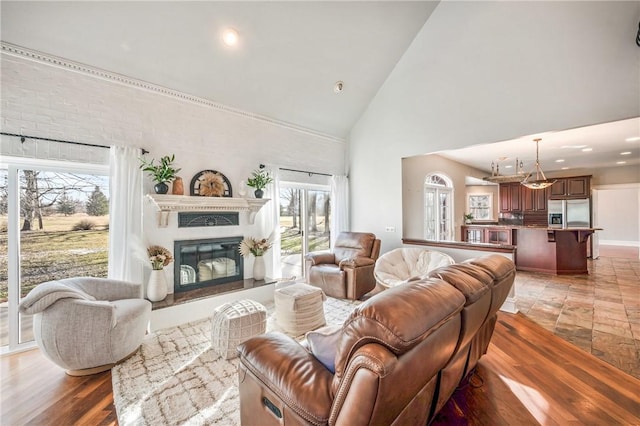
438, 207
55, 224
480, 206
305, 217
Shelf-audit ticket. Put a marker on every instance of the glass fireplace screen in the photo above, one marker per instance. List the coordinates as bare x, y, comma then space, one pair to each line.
202, 263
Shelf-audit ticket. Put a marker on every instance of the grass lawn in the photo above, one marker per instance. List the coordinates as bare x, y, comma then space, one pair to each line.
57, 251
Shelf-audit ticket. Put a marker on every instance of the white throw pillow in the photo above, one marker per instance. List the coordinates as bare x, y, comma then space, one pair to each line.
323, 344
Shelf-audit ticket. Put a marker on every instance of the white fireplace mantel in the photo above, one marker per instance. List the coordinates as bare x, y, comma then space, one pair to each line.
183, 203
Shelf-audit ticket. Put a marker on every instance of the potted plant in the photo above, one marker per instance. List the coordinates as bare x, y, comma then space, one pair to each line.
258, 180
468, 218
161, 173
157, 286
257, 248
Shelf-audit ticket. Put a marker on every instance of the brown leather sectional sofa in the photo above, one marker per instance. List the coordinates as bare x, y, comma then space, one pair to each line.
400, 356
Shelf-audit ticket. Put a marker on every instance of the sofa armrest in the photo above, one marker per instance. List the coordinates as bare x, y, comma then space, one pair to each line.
321, 258
356, 262
286, 369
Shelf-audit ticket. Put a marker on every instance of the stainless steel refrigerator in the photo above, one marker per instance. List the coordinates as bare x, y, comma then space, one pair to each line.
569, 214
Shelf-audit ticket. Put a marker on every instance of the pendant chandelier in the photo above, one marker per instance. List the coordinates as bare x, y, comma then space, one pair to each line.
540, 181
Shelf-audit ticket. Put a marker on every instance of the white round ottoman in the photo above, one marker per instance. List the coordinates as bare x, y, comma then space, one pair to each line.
299, 308
234, 323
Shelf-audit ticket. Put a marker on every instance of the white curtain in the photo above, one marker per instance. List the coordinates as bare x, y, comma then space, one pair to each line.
125, 215
339, 206
270, 222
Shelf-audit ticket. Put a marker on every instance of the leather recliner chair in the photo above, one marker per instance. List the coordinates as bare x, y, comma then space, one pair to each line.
399, 355
347, 271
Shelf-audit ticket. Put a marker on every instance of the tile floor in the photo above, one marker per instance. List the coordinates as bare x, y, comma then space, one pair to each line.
599, 312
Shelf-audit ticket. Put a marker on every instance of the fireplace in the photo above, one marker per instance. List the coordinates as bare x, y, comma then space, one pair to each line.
208, 262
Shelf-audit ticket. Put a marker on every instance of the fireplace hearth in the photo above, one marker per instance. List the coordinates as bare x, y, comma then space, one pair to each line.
207, 262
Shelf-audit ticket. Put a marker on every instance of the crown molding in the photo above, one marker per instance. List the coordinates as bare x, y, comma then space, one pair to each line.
45, 58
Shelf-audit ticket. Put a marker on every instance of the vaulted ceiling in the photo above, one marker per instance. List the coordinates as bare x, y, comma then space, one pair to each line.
285, 66
289, 56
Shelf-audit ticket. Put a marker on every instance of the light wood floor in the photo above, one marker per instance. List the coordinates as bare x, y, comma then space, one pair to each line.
529, 376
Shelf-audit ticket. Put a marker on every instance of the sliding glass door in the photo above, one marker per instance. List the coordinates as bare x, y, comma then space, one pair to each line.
54, 222
305, 215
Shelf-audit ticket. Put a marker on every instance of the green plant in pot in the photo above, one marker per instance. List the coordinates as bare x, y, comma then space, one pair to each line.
161, 173
258, 180
468, 218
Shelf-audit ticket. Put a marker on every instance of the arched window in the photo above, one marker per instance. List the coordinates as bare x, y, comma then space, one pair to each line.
438, 207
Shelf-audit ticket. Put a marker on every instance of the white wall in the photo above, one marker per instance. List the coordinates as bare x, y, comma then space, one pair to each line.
43, 100
480, 72
414, 171
617, 213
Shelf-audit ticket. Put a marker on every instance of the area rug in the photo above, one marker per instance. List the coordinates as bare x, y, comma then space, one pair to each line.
175, 378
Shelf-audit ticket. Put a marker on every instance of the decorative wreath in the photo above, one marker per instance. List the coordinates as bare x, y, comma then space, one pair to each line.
210, 183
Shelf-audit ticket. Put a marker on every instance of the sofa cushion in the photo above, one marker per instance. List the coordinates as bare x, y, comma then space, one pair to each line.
399, 318
323, 344
353, 244
472, 281
497, 266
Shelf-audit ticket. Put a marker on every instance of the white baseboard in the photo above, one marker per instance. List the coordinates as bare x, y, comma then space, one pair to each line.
619, 243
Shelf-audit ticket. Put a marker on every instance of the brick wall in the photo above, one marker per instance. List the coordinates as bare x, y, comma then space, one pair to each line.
45, 100
42, 99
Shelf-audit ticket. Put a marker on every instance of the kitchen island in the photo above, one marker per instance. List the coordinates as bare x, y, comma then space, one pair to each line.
543, 249
552, 250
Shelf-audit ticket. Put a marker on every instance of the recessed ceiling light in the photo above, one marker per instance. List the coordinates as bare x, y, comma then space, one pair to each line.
559, 160
230, 37
633, 139
565, 168
338, 87
626, 153
508, 167
573, 146
587, 149
621, 162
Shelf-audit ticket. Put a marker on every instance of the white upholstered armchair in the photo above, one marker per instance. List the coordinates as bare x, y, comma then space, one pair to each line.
405, 264
86, 324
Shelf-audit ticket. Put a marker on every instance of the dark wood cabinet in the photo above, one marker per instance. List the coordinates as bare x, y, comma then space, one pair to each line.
579, 187
505, 201
558, 189
510, 197
570, 188
498, 236
534, 200
487, 235
472, 234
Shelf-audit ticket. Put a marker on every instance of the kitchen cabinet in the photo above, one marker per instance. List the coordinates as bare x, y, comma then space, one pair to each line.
510, 197
500, 236
555, 251
571, 188
473, 234
534, 200
483, 234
